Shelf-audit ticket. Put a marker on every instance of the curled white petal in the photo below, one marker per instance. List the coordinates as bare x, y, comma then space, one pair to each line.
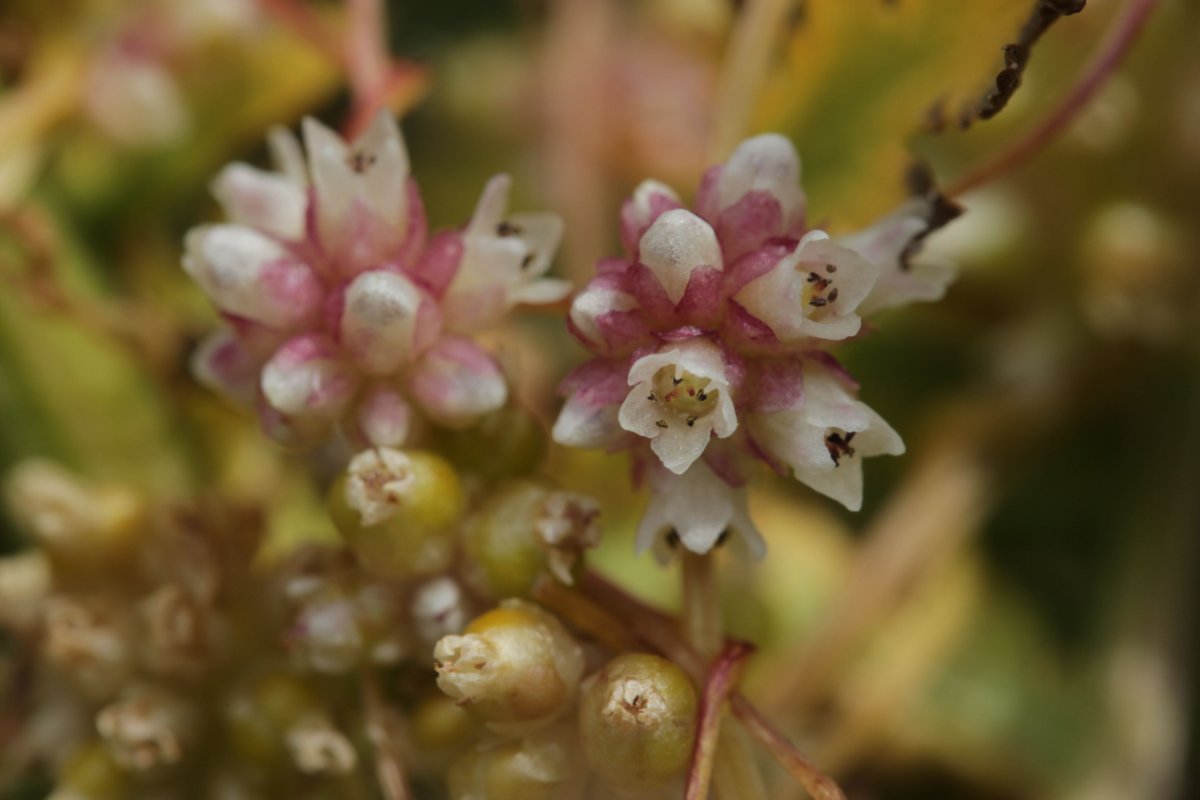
698, 507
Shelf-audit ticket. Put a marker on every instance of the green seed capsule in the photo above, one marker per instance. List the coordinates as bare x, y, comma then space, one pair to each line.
543, 768
637, 721
515, 667
397, 510
92, 773
258, 716
523, 529
439, 723
503, 444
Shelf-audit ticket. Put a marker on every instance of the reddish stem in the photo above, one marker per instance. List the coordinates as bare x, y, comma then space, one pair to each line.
1112, 51
660, 631
721, 680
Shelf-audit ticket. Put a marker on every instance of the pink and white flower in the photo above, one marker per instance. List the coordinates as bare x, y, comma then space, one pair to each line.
342, 314
711, 340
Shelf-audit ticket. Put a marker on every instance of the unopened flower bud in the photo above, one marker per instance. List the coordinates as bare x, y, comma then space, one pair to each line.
396, 509
146, 728
515, 667
637, 721
542, 768
525, 528
77, 523
502, 444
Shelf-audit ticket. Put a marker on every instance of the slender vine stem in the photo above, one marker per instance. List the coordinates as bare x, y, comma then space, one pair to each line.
701, 604
1109, 55
721, 680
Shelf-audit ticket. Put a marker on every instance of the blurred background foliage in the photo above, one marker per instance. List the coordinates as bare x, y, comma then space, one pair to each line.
1013, 613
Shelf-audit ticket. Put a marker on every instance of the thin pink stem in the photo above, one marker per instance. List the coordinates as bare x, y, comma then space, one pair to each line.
1123, 33
721, 680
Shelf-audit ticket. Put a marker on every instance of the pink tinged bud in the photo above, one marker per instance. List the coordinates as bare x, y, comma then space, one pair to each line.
383, 418
680, 398
591, 315
307, 382
456, 381
766, 163
825, 437
267, 201
649, 201
385, 321
223, 363
696, 509
249, 275
815, 291
677, 244
580, 424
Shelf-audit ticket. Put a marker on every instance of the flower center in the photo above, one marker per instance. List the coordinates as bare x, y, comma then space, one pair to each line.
687, 396
819, 292
837, 442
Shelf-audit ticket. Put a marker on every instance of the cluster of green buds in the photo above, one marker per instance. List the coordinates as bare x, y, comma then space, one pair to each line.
626, 730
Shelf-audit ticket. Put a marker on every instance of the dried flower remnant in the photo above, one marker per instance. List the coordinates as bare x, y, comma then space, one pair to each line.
342, 314
708, 332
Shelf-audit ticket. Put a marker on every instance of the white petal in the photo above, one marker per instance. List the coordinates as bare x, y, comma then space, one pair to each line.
333, 179
679, 445
639, 414
263, 200
587, 426
764, 163
699, 507
541, 232
286, 155
842, 483
492, 206
675, 245
379, 320
385, 178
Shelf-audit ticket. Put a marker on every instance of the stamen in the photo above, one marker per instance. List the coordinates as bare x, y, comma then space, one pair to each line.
691, 421
653, 398
830, 268
817, 302
833, 296
506, 228
662, 423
